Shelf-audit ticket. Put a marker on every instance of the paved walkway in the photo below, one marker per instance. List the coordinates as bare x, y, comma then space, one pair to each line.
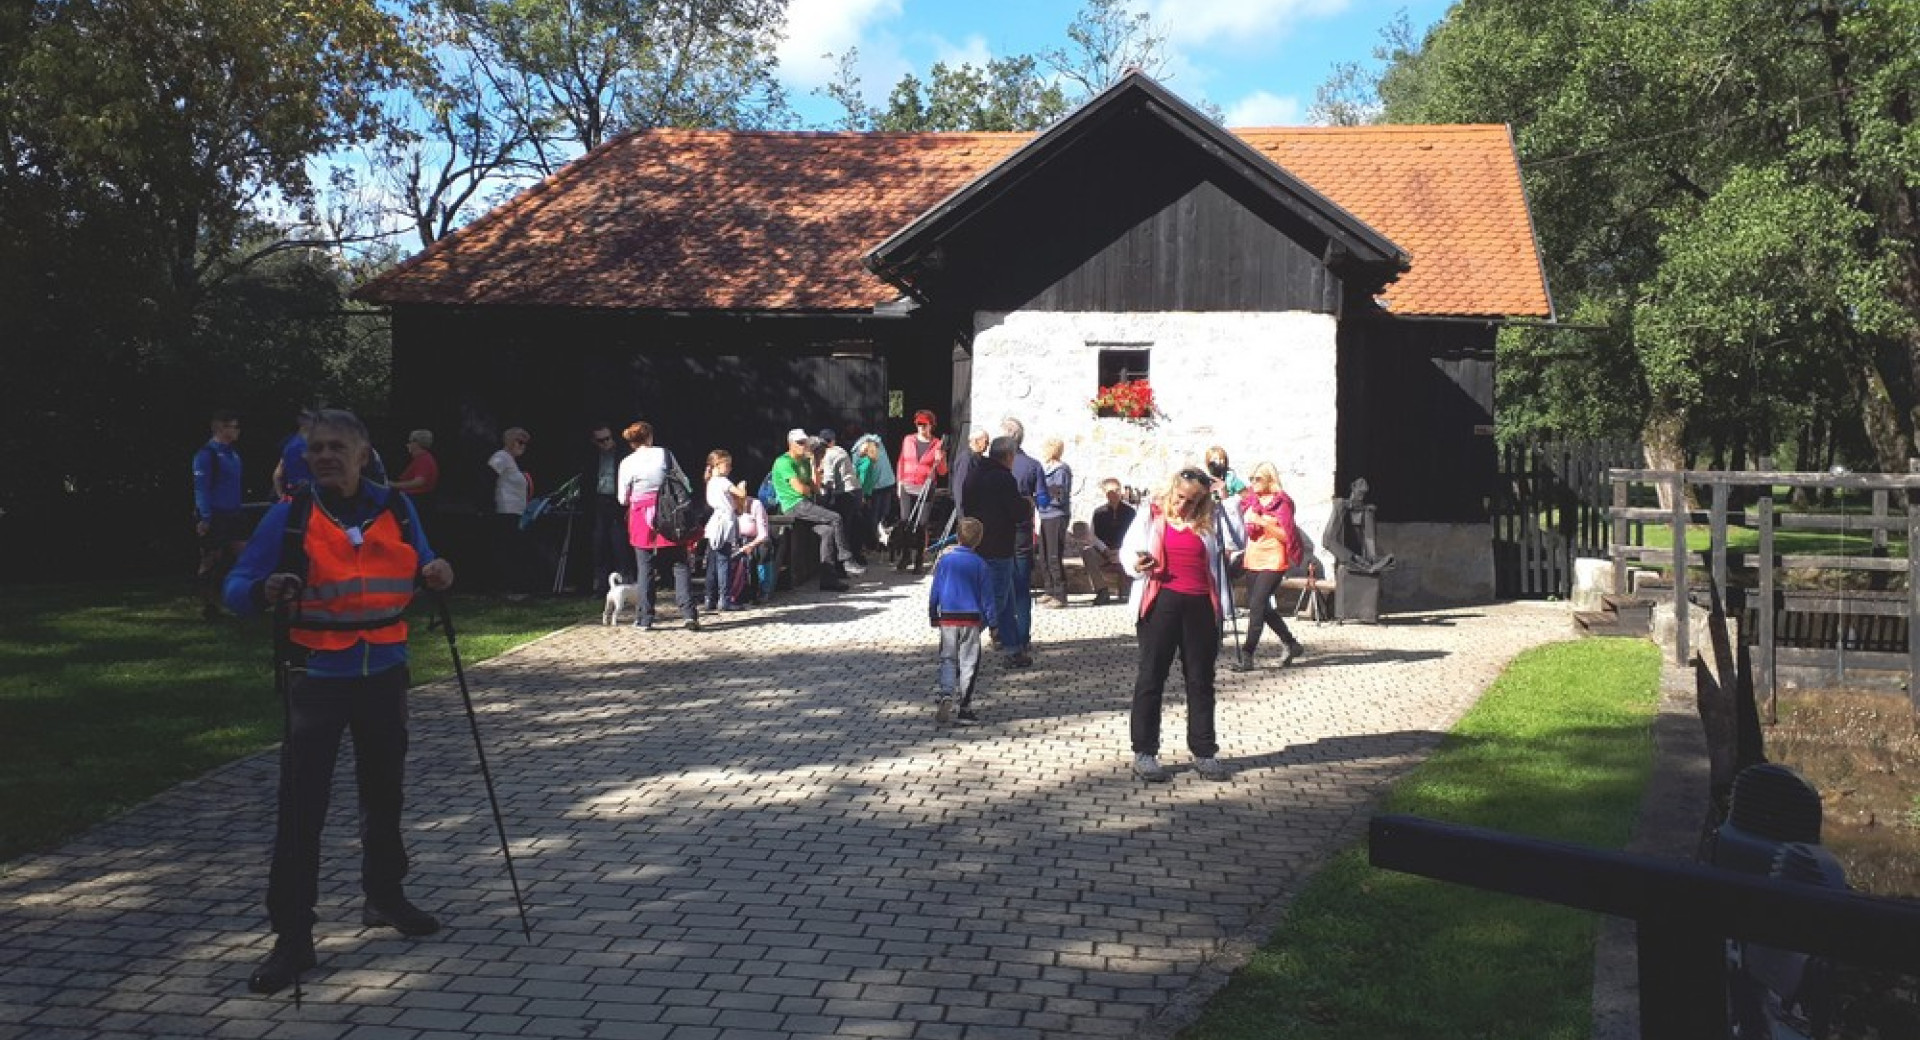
756, 831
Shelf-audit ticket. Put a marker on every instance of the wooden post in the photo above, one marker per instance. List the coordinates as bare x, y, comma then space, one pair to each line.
1681, 972
1879, 530
1717, 538
1768, 604
1681, 651
1619, 538
1913, 597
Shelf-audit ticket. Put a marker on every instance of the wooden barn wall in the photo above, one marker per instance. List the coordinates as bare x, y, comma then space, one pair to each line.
1416, 417
1136, 222
704, 382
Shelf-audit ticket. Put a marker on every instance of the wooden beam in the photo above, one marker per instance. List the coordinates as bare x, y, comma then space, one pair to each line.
1862, 930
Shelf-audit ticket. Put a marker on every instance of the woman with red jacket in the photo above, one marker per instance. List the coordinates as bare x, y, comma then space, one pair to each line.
1273, 547
923, 461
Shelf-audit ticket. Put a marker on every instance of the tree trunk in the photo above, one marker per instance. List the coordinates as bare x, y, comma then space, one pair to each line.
1881, 418
1663, 435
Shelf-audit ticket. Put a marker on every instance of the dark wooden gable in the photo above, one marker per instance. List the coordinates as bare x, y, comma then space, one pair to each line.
1136, 203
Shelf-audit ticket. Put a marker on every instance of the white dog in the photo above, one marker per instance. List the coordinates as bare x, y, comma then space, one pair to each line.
621, 595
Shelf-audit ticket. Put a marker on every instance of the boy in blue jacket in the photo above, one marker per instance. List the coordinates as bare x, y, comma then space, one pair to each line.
960, 605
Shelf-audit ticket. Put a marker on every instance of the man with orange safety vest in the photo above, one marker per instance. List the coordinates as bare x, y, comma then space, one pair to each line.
342, 560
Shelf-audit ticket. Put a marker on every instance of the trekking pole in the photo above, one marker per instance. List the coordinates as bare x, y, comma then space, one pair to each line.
1226, 576
283, 685
473, 722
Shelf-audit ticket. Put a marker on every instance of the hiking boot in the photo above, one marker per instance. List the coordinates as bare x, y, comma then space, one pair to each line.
1293, 650
967, 715
1020, 660
1242, 662
1102, 598
943, 711
1212, 769
693, 624
287, 959
1147, 767
396, 913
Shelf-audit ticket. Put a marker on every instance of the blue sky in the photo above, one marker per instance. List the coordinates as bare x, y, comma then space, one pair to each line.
1258, 60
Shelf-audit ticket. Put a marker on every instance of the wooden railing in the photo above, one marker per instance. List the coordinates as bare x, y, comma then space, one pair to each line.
1895, 507
1683, 912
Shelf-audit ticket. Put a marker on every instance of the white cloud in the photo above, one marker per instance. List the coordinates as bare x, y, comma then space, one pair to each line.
1263, 109
1243, 23
971, 51
816, 28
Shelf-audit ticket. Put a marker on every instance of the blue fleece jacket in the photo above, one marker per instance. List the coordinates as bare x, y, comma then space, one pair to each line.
962, 590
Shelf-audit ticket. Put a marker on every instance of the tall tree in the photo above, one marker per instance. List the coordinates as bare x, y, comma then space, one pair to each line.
1727, 186
143, 141
567, 74
1006, 95
1106, 40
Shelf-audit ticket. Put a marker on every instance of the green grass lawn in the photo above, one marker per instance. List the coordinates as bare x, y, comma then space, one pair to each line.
110, 694
1558, 748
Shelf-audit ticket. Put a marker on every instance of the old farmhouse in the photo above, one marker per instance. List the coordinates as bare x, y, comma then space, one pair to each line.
1323, 298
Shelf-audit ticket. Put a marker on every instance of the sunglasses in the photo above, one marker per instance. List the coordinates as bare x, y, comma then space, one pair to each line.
1196, 476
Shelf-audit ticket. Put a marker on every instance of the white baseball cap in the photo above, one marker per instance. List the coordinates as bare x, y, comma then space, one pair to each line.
796, 436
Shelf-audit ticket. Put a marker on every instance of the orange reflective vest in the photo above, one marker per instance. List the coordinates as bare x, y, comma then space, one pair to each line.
354, 591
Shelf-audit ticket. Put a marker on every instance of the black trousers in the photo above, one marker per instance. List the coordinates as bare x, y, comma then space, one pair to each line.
612, 550
1182, 624
374, 709
1053, 556
1261, 587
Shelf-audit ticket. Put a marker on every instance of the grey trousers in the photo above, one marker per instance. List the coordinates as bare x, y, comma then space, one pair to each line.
959, 662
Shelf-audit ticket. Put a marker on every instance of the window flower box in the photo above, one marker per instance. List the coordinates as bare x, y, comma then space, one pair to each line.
1127, 399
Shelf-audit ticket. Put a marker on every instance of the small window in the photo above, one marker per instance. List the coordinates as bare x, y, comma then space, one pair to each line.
1124, 390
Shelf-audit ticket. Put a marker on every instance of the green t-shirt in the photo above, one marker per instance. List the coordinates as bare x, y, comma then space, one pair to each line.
865, 470
785, 468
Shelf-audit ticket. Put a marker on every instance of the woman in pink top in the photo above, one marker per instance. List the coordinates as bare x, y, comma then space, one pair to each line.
1173, 550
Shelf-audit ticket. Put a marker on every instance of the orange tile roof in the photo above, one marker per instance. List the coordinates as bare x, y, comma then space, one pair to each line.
700, 220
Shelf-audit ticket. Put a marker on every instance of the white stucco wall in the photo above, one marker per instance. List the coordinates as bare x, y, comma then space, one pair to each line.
1259, 384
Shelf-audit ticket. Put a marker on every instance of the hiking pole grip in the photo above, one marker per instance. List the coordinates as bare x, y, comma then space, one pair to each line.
480, 751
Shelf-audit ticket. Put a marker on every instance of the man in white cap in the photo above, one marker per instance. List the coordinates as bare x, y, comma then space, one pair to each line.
794, 484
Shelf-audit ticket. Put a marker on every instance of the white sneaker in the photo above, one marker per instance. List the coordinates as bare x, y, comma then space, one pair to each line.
853, 568
1147, 767
943, 711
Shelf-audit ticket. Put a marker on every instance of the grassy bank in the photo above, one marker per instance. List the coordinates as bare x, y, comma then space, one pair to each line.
1558, 748
110, 694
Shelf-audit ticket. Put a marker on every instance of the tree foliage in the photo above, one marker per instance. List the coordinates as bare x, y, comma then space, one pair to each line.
1022, 92
144, 141
1729, 188
567, 74
1006, 95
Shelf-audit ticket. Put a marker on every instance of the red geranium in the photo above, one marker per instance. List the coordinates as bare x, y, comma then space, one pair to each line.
1128, 399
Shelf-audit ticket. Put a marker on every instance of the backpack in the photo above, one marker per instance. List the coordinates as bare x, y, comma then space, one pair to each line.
677, 515
769, 497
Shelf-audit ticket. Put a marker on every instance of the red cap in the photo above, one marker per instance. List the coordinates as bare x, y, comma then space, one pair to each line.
923, 416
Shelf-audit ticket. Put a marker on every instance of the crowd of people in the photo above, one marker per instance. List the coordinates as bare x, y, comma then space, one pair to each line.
341, 553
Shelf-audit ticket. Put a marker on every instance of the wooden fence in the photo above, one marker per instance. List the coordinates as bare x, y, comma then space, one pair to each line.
1857, 627
1549, 509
